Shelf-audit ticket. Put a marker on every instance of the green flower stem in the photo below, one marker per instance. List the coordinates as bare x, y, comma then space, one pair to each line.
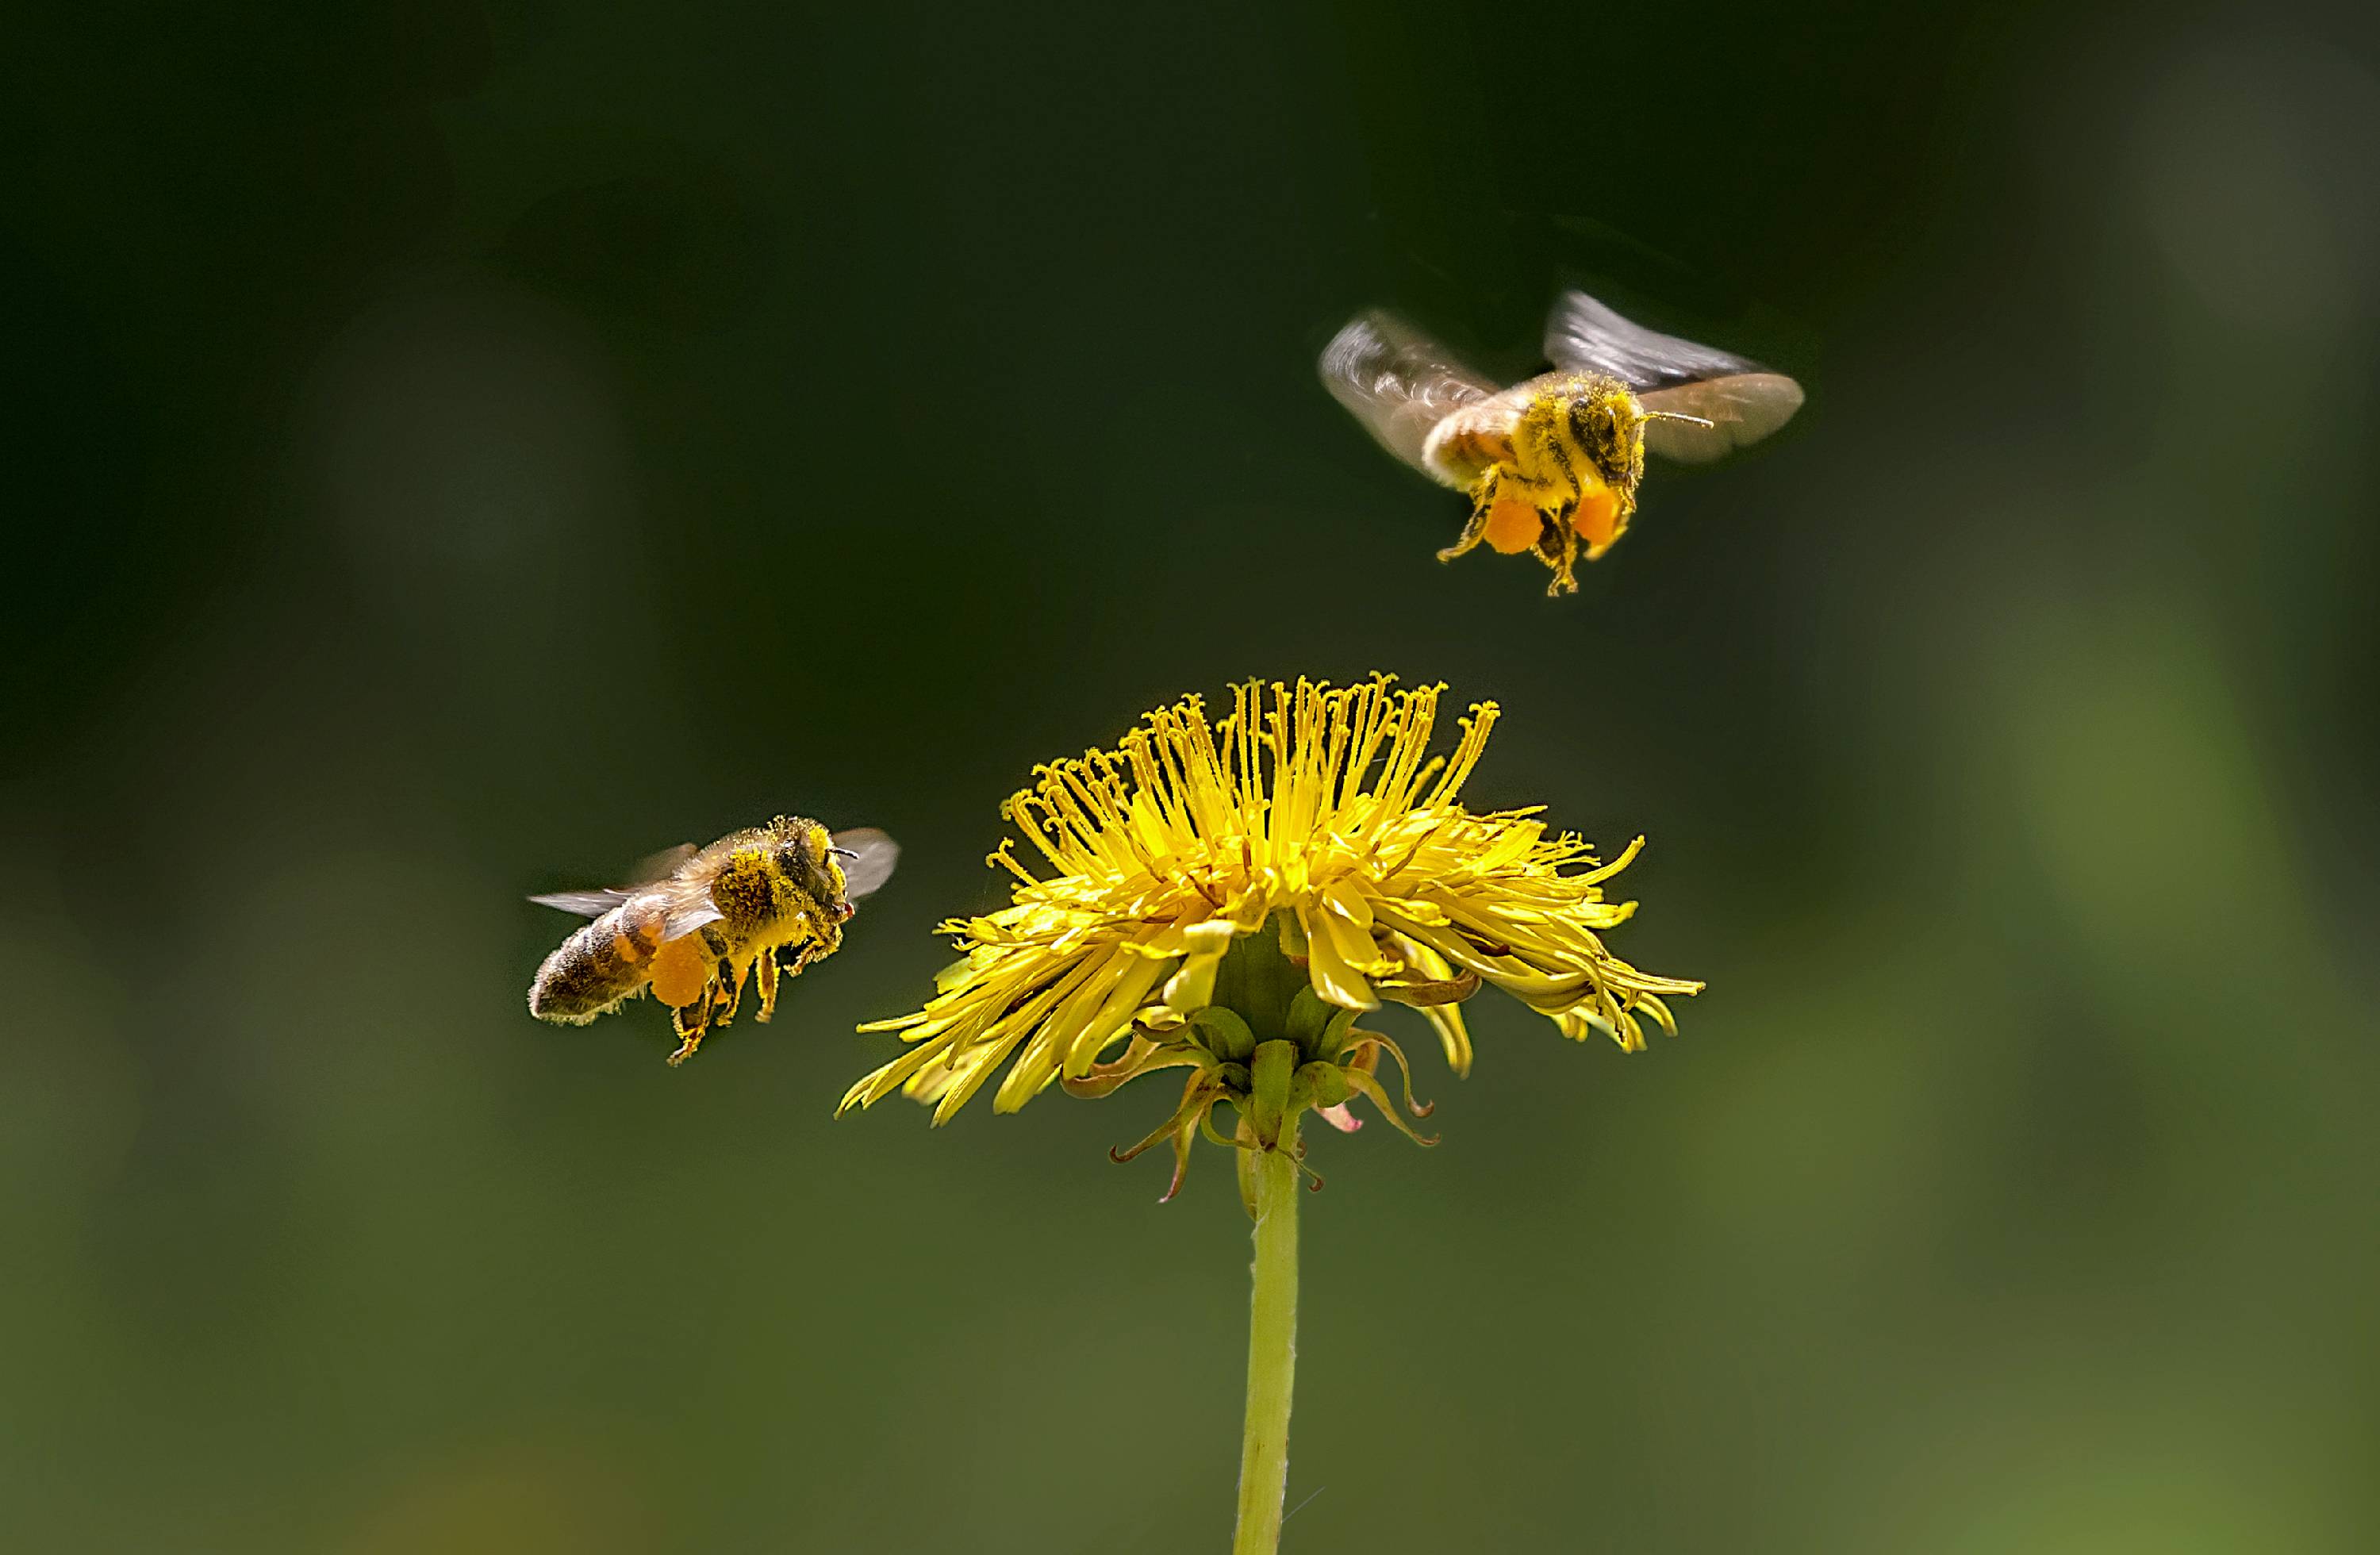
1272, 1347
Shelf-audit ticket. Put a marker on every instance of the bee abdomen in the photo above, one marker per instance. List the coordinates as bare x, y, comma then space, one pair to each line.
593, 971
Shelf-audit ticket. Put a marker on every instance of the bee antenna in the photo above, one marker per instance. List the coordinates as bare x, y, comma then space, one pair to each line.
1678, 416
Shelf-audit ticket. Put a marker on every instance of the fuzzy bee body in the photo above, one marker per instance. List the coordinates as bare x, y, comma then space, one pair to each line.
753, 905
614, 959
1554, 461
596, 970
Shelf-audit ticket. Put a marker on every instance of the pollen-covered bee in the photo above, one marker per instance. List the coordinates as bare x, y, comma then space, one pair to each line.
1555, 460
699, 922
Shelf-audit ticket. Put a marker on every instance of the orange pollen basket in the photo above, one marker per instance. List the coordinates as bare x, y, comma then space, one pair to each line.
1597, 519
1513, 526
680, 969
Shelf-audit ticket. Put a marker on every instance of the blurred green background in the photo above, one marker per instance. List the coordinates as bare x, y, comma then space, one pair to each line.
464, 447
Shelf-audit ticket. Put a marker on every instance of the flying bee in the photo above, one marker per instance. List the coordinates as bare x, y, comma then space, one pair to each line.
1555, 460
698, 923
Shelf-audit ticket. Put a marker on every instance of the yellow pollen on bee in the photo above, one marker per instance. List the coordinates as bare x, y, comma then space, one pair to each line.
626, 947
1513, 526
681, 971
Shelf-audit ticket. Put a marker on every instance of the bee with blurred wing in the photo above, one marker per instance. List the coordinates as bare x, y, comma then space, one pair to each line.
1556, 460
698, 923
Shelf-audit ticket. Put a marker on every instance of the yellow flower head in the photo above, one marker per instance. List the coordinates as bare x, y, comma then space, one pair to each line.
1317, 810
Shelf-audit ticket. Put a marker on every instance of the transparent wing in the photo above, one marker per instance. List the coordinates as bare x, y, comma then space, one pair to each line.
660, 866
586, 904
1398, 382
595, 904
1582, 335
873, 855
674, 915
680, 904
1743, 408
684, 917
667, 909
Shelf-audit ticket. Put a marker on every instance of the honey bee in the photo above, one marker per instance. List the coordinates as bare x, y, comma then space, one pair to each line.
698, 923
1555, 460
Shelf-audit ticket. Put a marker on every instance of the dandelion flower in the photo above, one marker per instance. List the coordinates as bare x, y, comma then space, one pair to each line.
1320, 805
1228, 896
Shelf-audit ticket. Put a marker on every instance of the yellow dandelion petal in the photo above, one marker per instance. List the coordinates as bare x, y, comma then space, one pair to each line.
1452, 1035
1335, 974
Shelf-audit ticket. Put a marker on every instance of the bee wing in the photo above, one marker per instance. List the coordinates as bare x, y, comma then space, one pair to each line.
586, 904
1398, 382
595, 904
677, 908
685, 917
1741, 407
874, 854
679, 918
1582, 335
660, 866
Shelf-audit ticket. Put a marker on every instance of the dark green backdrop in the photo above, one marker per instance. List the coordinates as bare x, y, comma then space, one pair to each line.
463, 448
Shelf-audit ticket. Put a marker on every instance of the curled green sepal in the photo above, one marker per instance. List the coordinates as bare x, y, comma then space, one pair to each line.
1240, 1139
1418, 1109
1318, 1027
1326, 1084
1224, 1033
1143, 1057
1371, 1089
1198, 1097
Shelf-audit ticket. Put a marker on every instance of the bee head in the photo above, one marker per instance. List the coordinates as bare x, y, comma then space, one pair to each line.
1607, 422
807, 854
836, 857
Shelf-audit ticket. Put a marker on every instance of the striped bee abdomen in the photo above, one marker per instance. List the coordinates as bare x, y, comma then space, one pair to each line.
595, 969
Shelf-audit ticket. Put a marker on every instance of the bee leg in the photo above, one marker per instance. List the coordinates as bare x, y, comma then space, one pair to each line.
803, 954
728, 983
1483, 501
691, 1023
1565, 557
765, 971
